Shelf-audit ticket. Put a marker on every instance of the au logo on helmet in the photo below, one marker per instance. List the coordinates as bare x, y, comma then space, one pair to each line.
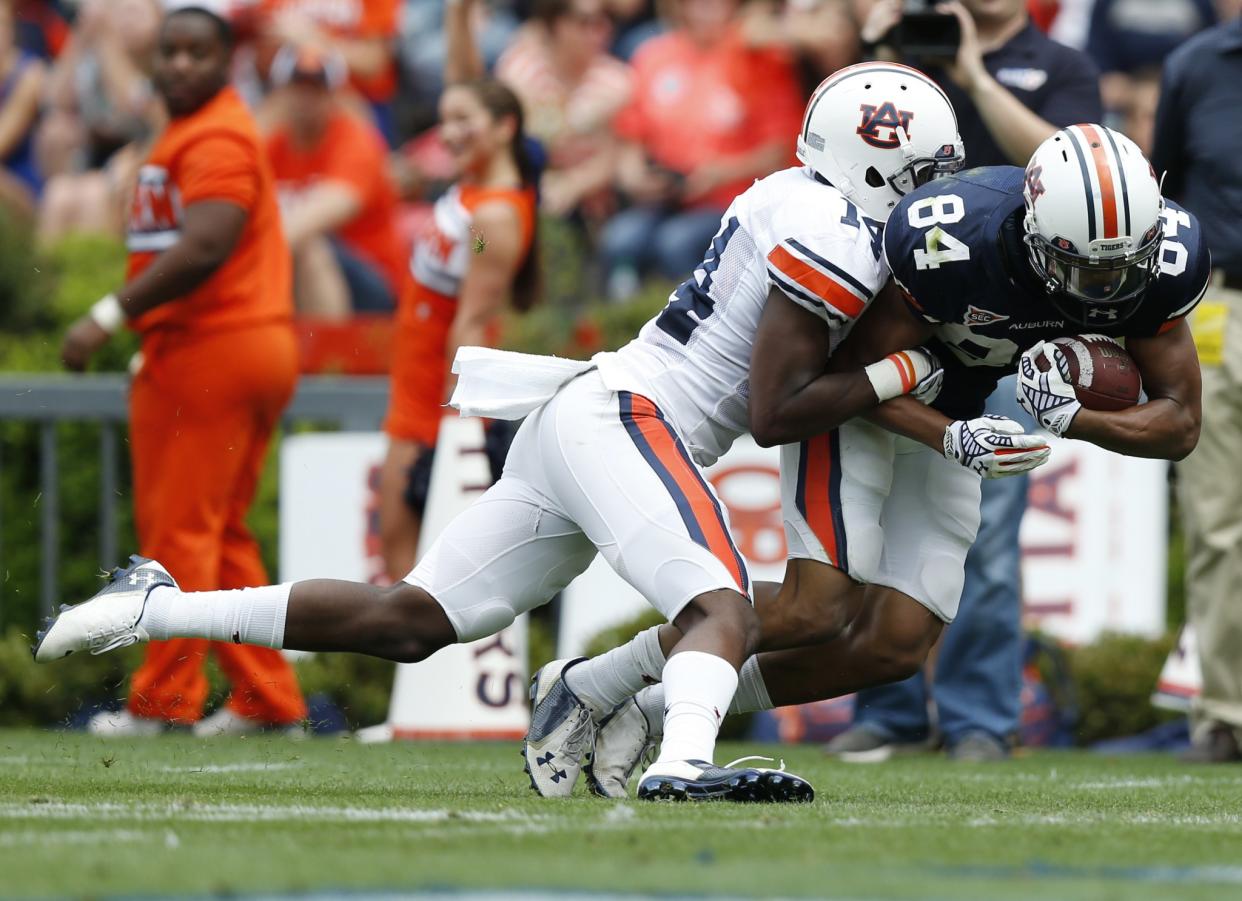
886, 115
1035, 182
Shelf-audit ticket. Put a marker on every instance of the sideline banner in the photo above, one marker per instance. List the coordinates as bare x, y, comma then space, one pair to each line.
1095, 544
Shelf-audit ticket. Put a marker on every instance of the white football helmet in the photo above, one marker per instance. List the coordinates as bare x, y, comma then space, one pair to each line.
876, 131
1092, 225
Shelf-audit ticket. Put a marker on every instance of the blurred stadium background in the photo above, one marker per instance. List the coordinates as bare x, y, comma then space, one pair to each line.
1102, 615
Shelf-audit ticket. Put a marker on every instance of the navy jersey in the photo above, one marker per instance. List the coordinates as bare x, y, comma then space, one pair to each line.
955, 248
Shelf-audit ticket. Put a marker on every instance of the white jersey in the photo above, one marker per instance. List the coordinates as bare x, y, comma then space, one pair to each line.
788, 231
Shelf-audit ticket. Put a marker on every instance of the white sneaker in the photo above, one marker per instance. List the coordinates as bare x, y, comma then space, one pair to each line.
123, 724
561, 732
225, 722
621, 742
698, 780
107, 621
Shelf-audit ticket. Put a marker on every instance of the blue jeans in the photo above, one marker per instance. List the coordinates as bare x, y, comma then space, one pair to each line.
978, 679
668, 241
369, 291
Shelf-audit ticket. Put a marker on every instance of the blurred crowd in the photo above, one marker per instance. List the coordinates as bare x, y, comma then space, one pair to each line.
651, 114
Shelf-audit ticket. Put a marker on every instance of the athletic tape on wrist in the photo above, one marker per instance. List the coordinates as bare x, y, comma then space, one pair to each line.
895, 375
107, 313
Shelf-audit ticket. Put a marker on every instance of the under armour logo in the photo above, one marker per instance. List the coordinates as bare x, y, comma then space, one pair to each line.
545, 760
1102, 313
558, 775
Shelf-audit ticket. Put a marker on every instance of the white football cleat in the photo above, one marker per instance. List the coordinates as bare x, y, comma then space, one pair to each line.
123, 724
622, 739
698, 780
109, 620
227, 722
561, 732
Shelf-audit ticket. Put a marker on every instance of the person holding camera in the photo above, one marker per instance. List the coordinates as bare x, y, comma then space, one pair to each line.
1012, 87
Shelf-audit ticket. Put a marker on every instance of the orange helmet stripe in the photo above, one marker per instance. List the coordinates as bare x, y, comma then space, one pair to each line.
1104, 174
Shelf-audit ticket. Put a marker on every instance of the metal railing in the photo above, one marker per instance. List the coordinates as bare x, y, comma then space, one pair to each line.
353, 403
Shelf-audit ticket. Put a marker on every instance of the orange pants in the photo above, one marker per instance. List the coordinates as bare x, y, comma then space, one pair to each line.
202, 411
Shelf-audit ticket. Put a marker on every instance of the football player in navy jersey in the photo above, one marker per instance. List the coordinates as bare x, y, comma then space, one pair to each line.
998, 261
991, 264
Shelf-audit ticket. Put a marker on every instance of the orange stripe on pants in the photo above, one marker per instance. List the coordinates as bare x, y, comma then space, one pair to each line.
202, 412
663, 442
816, 498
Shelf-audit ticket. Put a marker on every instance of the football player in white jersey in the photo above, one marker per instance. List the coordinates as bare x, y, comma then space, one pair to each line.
606, 459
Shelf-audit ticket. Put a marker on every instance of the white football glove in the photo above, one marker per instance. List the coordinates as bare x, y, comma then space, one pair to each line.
1048, 396
916, 371
994, 446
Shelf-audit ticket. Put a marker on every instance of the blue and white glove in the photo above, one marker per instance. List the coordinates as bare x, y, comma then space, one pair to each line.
916, 372
1048, 396
994, 446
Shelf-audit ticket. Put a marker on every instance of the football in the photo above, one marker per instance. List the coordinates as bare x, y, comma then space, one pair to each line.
1104, 376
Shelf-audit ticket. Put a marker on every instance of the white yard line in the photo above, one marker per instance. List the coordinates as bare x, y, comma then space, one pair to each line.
214, 768
615, 817
255, 813
22, 838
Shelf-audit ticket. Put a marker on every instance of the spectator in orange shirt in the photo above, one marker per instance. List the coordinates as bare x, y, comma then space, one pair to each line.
208, 289
363, 32
338, 205
708, 116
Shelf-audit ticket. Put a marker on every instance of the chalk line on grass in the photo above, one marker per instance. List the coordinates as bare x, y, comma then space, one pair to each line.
24, 837
217, 768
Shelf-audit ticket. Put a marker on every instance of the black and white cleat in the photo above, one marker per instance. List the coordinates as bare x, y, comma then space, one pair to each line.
109, 620
697, 780
561, 733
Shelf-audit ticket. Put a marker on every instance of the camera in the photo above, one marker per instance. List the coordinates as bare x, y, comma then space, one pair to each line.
925, 34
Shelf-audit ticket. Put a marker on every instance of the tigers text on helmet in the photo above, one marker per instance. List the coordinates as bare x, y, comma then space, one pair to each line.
876, 131
1092, 226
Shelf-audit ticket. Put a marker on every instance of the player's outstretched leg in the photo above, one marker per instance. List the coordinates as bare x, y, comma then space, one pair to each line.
142, 602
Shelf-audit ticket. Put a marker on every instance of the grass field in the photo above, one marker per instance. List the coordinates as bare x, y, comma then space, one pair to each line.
81, 817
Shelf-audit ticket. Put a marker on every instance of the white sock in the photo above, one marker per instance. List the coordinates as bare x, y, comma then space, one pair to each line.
244, 615
751, 696
605, 681
697, 690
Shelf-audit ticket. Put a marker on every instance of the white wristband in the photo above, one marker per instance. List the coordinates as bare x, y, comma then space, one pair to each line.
893, 376
107, 313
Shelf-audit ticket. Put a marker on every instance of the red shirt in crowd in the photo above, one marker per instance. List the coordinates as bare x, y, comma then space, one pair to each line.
692, 104
353, 153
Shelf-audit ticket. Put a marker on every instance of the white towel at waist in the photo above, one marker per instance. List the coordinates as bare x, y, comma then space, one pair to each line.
502, 384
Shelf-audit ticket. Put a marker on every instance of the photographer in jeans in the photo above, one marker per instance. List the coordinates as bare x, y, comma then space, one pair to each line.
1012, 87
